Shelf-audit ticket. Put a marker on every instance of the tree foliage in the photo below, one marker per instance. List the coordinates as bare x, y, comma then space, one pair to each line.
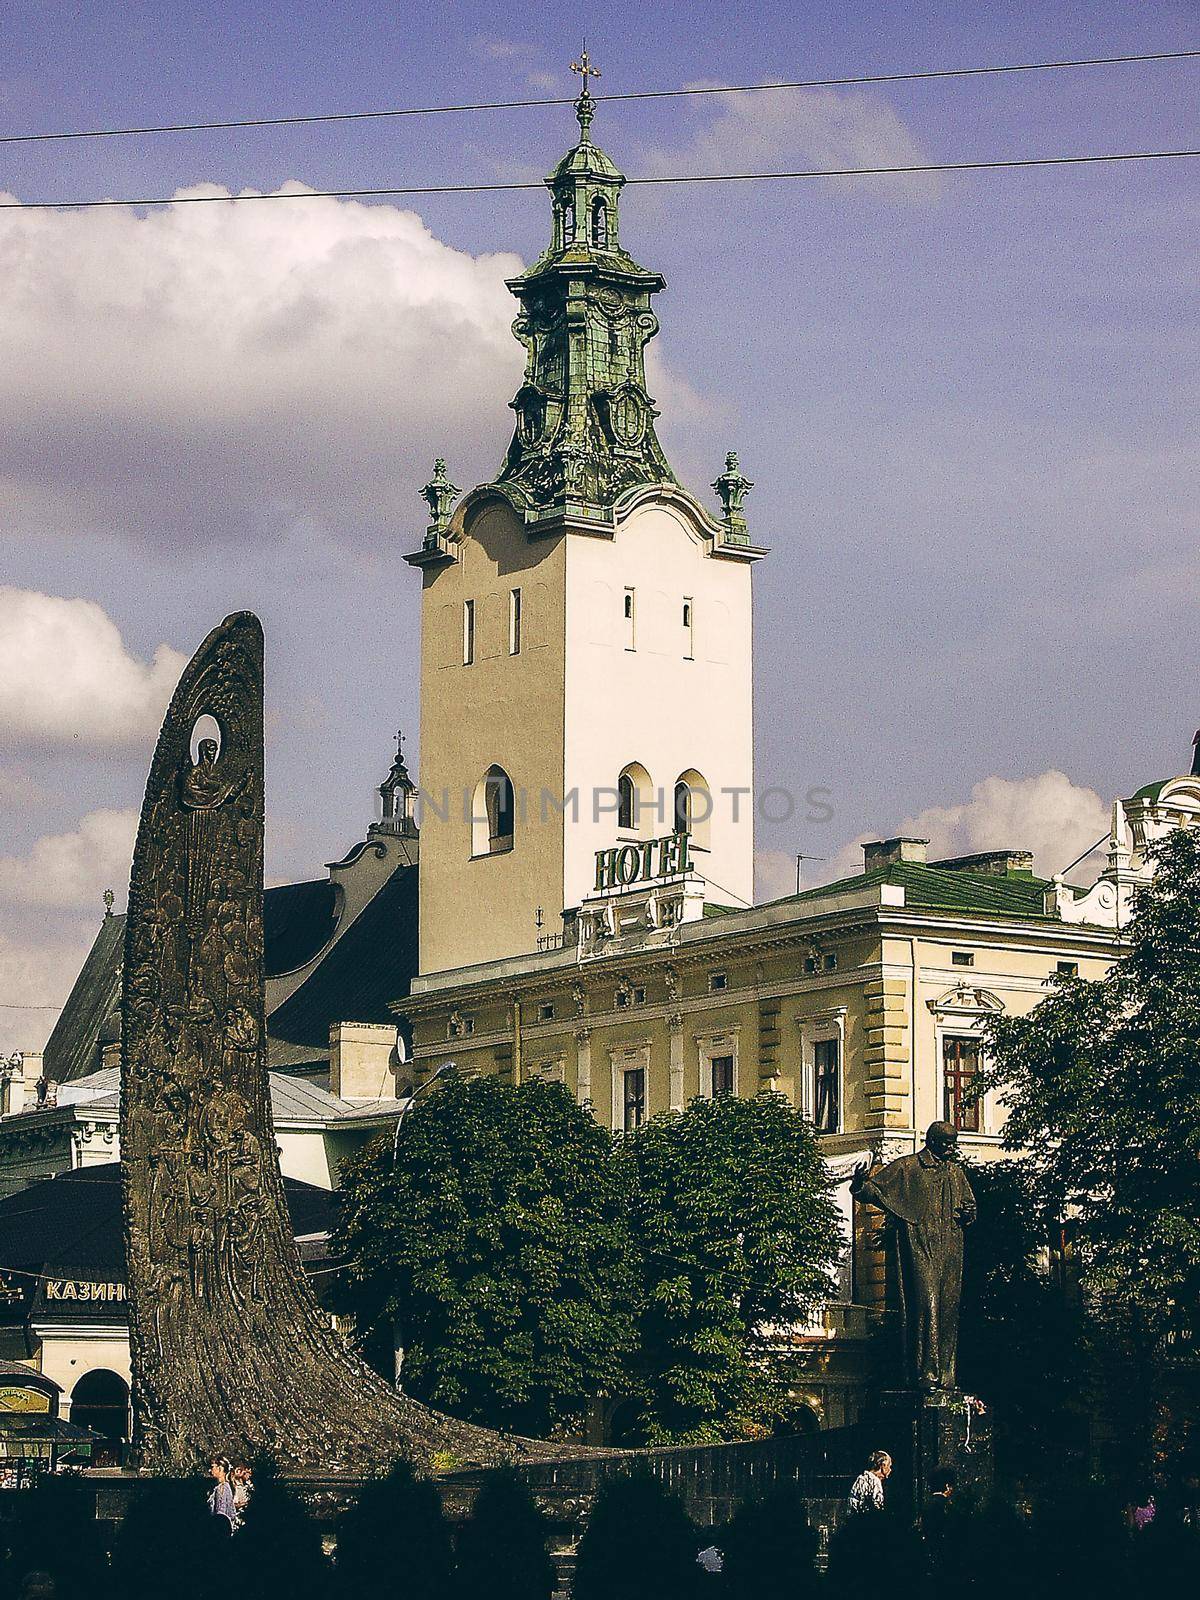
1024, 1340
737, 1232
639, 1544
531, 1260
502, 1547
396, 1529
497, 1245
1102, 1084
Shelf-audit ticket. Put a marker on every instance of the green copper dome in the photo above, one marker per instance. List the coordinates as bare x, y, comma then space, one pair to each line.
585, 422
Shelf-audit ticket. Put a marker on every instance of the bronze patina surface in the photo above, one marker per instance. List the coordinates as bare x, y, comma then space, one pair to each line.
929, 1202
230, 1349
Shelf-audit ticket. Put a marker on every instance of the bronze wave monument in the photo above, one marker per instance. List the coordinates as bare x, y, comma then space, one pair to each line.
229, 1347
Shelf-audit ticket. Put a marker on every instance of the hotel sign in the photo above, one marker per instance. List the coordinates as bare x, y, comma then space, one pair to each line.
624, 865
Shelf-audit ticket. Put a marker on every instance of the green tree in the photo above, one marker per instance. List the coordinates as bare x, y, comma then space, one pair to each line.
770, 1550
738, 1234
502, 1545
639, 1544
1102, 1085
395, 1539
497, 1245
1023, 1343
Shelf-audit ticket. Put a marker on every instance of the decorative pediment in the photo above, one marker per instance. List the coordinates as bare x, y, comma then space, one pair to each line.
966, 1000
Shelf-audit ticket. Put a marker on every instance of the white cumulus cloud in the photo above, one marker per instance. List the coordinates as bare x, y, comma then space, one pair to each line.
71, 871
1047, 814
66, 678
215, 372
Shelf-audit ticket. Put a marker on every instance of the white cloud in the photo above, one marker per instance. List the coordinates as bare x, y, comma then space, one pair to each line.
212, 372
67, 679
800, 129
1047, 814
71, 871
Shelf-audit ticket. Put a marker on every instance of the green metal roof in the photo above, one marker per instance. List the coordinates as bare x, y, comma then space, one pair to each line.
932, 888
1151, 791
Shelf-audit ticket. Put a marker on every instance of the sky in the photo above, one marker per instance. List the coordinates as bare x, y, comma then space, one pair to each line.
966, 401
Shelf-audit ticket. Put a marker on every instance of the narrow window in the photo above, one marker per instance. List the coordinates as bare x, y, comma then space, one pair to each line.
630, 620
717, 981
722, 1075
599, 223
546, 1013
810, 965
960, 1071
829, 961
626, 803
568, 223
827, 1107
468, 632
500, 811
514, 622
634, 1098
683, 808
688, 638
962, 958
639, 996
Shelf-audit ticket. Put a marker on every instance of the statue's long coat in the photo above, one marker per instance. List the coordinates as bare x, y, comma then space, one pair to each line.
930, 1202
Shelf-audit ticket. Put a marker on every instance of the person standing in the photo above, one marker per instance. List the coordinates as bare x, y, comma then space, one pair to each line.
243, 1488
220, 1499
866, 1492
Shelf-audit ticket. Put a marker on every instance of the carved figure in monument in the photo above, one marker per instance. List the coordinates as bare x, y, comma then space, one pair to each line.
928, 1202
228, 1344
203, 789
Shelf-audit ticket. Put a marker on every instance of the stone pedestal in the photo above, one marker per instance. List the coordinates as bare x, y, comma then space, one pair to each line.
930, 1433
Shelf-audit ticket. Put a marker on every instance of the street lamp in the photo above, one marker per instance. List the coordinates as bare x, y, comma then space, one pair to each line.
446, 1068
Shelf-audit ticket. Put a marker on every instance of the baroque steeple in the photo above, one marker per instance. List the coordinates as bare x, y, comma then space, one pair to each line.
585, 423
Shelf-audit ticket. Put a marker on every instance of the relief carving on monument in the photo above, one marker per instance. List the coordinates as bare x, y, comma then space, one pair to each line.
230, 1349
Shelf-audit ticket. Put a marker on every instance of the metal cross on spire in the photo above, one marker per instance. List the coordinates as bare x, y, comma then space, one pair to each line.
584, 106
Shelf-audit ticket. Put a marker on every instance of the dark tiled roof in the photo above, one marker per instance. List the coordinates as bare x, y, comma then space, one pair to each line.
71, 1048
298, 920
372, 964
71, 1226
933, 888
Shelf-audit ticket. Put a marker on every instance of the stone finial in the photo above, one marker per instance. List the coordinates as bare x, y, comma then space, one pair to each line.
109, 901
439, 495
732, 487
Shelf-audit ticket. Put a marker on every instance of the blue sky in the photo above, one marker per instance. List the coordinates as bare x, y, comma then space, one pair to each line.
967, 403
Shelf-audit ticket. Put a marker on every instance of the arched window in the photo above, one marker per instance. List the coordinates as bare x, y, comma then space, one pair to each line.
626, 803
568, 223
635, 800
693, 806
599, 223
100, 1400
492, 814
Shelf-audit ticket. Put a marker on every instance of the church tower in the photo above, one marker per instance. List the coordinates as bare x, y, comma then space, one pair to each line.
586, 627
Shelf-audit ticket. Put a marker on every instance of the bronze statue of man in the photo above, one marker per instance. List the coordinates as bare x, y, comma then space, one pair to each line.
929, 1202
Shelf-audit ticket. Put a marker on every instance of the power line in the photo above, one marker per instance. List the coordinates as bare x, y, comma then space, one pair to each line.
910, 169
8, 1005
632, 94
